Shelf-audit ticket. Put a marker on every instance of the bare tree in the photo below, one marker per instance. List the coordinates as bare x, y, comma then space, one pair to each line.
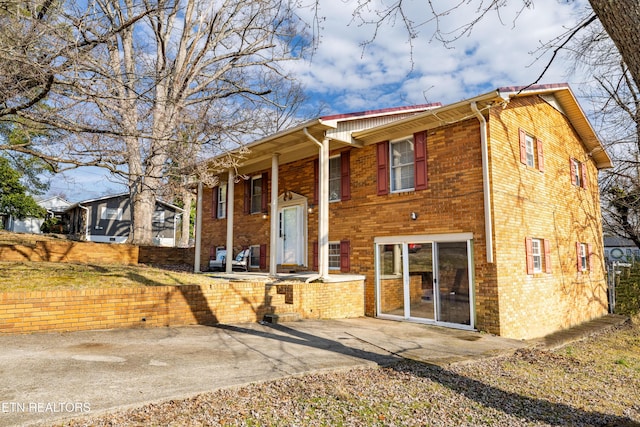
616, 110
189, 64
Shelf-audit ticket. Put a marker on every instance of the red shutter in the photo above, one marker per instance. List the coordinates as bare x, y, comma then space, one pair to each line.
263, 257
383, 168
247, 196
315, 256
589, 254
583, 172
529, 252
579, 264
523, 146
420, 160
572, 169
214, 202
345, 175
345, 265
547, 256
540, 155
316, 178
264, 205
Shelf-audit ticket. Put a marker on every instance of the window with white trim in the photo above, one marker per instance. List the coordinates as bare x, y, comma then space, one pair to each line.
583, 257
158, 217
530, 150
334, 255
111, 214
536, 253
576, 172
335, 178
256, 194
402, 164
222, 200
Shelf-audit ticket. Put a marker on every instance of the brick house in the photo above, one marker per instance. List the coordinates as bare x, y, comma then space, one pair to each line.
482, 214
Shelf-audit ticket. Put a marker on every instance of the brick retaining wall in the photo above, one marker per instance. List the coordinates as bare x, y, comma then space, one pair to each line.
90, 252
220, 302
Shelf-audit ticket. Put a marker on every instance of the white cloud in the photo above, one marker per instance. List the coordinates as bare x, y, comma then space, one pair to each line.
498, 52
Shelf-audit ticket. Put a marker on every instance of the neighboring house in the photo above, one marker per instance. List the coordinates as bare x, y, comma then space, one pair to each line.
108, 219
621, 250
55, 206
483, 214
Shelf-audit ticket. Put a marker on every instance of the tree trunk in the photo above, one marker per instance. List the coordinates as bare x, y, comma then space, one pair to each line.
187, 200
621, 20
143, 205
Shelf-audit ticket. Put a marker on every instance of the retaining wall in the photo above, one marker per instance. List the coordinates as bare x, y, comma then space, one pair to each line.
223, 302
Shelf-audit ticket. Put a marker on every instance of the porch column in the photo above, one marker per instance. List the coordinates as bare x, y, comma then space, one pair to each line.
198, 248
323, 210
230, 203
273, 234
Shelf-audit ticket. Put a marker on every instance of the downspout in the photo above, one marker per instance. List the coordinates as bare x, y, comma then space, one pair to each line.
323, 207
198, 248
86, 223
486, 187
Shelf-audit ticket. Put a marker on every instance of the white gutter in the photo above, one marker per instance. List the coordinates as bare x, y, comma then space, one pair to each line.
488, 219
323, 205
198, 248
86, 225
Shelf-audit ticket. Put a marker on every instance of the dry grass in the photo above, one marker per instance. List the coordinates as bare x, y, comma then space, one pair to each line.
41, 276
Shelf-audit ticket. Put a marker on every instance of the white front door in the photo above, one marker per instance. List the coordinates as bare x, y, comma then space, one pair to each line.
291, 236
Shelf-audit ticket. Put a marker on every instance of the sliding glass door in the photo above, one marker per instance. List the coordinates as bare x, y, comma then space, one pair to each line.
424, 280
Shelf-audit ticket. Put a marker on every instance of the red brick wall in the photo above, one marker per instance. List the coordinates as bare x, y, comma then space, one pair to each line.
223, 302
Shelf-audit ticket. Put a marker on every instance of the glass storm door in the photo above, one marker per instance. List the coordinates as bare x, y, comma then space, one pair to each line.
290, 236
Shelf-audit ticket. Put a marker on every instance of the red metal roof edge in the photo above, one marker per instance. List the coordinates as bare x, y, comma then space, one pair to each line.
382, 111
534, 87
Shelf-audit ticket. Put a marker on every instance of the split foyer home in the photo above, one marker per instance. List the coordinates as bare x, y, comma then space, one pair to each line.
482, 214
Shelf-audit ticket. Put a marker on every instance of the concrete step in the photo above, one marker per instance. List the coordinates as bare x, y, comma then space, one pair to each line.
277, 318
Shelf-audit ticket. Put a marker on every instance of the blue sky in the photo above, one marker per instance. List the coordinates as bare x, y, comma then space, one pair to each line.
347, 79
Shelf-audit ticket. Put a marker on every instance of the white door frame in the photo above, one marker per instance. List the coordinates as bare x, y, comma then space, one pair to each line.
432, 238
289, 200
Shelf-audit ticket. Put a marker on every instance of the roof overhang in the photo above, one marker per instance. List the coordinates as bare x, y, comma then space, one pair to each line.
462, 110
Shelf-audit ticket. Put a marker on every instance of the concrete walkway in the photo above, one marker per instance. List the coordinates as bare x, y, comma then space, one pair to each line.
46, 378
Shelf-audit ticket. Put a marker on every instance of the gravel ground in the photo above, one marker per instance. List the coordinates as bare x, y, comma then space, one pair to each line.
595, 382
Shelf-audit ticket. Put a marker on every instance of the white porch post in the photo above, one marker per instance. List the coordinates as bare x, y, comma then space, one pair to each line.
273, 239
198, 248
323, 210
230, 203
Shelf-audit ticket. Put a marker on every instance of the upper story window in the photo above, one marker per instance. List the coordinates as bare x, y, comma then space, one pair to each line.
578, 173
339, 178
256, 194
222, 201
531, 151
402, 164
402, 161
335, 181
